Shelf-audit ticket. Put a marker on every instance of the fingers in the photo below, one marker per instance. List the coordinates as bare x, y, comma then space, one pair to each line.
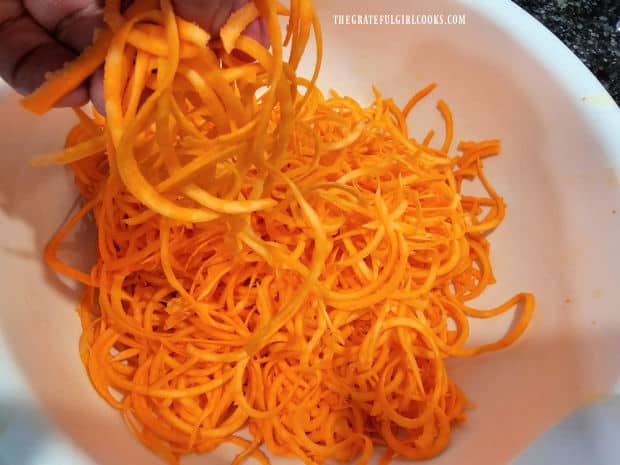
27, 52
208, 14
71, 22
211, 15
256, 29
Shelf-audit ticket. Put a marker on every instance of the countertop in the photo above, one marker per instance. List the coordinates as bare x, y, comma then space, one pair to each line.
590, 28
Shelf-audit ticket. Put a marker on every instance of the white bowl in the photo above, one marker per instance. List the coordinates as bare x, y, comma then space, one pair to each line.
504, 76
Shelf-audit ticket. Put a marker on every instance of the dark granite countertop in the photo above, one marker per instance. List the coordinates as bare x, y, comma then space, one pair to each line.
590, 28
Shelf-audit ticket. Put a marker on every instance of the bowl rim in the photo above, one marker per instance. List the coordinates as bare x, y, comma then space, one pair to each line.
600, 111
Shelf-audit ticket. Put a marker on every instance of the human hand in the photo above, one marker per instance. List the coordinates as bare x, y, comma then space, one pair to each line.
39, 36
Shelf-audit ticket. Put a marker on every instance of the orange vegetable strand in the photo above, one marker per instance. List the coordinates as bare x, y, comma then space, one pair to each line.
269, 257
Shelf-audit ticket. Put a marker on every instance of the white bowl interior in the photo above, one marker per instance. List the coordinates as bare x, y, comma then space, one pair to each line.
560, 238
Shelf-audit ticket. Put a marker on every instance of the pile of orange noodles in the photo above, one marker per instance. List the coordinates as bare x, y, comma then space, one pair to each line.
268, 257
